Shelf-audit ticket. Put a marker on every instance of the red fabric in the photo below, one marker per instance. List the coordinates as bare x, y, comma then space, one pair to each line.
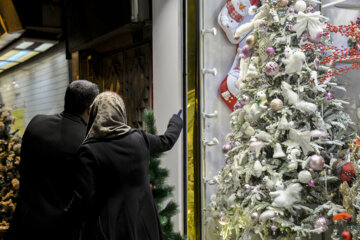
230, 102
232, 11
342, 216
254, 2
347, 172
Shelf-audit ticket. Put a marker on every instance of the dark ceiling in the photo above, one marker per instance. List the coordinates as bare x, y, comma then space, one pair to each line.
77, 21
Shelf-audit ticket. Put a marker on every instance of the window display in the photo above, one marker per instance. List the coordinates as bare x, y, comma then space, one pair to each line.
287, 167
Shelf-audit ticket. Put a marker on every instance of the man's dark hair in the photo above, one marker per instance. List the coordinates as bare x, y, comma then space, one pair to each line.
79, 95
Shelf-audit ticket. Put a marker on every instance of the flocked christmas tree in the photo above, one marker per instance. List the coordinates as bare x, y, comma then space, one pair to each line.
288, 158
10, 144
160, 190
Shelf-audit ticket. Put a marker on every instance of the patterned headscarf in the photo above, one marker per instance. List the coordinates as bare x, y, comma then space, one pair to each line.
107, 117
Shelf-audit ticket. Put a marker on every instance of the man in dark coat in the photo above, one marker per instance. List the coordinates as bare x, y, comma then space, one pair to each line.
48, 167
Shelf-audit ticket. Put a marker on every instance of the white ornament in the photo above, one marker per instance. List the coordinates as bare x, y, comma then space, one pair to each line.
255, 145
254, 112
252, 71
300, 6
289, 95
270, 183
244, 66
306, 107
304, 176
358, 113
293, 60
278, 152
268, 214
318, 133
263, 136
293, 99
247, 129
292, 157
302, 139
247, 27
311, 21
257, 170
284, 124
286, 198
274, 15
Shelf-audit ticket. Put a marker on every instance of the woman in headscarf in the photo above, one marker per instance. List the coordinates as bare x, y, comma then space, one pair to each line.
113, 191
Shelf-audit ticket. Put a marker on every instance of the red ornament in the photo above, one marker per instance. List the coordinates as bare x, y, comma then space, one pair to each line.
254, 2
346, 236
347, 173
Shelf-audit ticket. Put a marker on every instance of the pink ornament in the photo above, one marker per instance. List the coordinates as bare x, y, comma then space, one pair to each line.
316, 39
263, 162
247, 51
255, 216
238, 105
274, 228
270, 51
329, 95
226, 148
271, 68
310, 9
322, 223
291, 219
316, 162
311, 183
255, 145
290, 27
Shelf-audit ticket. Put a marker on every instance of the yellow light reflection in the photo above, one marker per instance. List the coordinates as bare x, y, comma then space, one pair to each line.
9, 54
9, 65
27, 56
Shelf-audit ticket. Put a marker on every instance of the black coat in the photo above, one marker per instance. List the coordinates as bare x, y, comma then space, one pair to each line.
114, 185
48, 170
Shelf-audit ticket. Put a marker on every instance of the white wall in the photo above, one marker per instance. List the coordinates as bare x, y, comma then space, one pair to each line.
167, 85
38, 86
342, 16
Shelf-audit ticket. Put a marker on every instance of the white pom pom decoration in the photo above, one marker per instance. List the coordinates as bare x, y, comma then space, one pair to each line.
300, 6
304, 176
